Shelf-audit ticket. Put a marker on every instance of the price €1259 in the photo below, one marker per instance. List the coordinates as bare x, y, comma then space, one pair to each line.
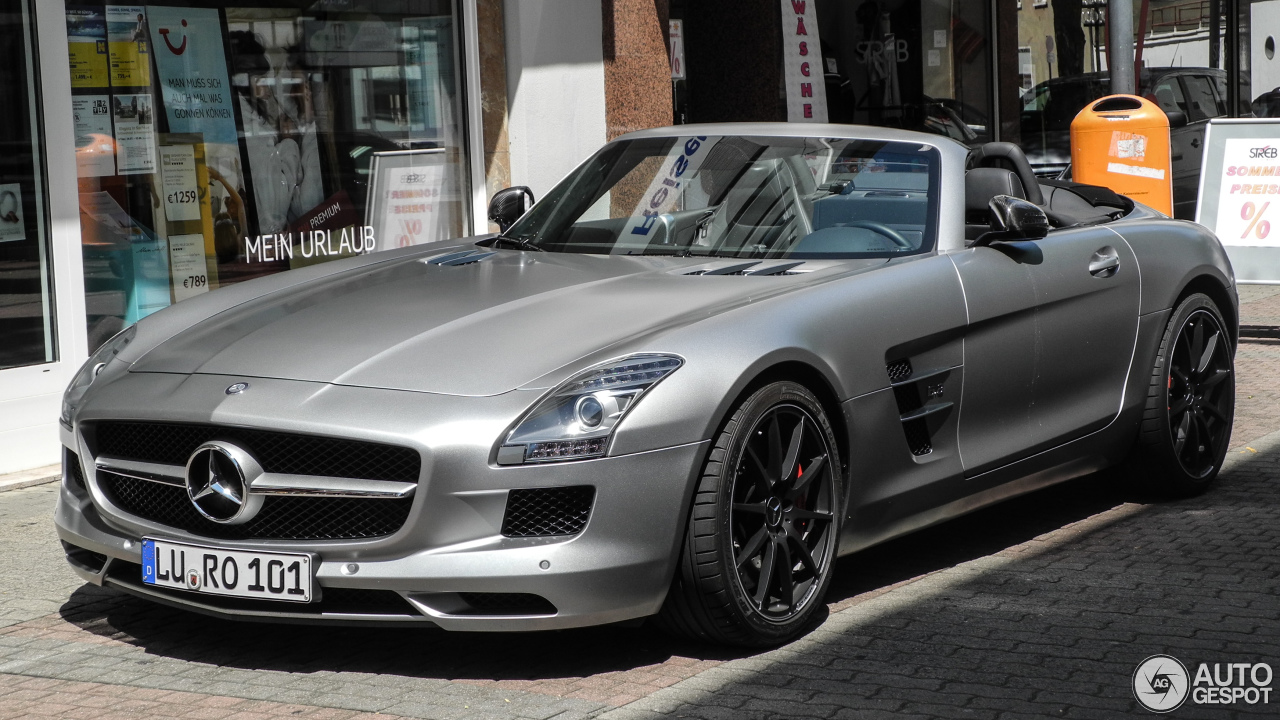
181, 197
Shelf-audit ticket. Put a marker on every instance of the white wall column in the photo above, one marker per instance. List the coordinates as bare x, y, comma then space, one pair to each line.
555, 88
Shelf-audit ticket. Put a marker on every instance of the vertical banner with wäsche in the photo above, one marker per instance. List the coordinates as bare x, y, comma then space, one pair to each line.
802, 62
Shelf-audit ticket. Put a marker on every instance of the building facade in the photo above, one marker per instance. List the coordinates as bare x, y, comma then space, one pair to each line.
155, 153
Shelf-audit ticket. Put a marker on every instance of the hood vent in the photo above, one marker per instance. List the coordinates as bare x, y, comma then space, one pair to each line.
757, 267
463, 257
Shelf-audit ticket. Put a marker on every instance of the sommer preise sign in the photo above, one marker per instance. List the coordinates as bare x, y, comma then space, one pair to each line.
802, 62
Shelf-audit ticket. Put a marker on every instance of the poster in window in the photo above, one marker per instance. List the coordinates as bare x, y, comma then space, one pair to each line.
12, 226
95, 145
135, 134
87, 47
129, 46
278, 121
192, 67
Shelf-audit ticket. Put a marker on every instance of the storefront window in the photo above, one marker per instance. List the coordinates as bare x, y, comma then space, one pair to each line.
217, 144
1259, 58
26, 292
916, 64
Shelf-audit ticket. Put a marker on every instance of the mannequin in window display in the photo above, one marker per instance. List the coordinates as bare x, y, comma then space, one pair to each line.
279, 130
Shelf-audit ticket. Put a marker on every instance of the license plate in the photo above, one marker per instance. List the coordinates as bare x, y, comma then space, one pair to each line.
234, 573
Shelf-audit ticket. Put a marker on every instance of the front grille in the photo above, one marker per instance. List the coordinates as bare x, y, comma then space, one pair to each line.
281, 517
173, 444
507, 604
351, 601
541, 512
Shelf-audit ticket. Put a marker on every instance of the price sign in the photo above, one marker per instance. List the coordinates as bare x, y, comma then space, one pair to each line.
178, 173
188, 271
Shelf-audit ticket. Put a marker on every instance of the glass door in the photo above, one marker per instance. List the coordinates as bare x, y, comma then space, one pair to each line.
27, 312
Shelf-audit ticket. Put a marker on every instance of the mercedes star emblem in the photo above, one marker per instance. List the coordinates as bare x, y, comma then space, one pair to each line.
218, 479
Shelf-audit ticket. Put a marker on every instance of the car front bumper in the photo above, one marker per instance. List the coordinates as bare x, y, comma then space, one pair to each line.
618, 567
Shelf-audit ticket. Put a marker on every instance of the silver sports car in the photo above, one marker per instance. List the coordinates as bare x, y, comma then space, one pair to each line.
710, 361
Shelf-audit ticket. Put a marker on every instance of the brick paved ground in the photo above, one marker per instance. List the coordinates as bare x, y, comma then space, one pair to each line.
1040, 607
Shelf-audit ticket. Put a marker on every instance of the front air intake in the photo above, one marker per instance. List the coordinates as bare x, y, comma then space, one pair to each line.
547, 512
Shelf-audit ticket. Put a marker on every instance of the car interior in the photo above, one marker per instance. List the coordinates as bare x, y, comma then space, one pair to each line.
1001, 168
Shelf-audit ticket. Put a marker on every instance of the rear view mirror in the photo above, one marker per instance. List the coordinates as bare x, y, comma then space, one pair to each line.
508, 205
1014, 219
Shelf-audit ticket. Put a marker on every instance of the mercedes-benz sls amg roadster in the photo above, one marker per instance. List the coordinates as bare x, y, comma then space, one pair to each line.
710, 361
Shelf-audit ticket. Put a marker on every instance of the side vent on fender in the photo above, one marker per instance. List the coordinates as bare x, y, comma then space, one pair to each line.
920, 418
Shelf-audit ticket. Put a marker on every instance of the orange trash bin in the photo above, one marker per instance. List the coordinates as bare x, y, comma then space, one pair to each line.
1122, 142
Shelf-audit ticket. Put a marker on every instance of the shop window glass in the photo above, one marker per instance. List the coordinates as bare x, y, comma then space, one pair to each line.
221, 143
1200, 99
1259, 26
26, 290
919, 65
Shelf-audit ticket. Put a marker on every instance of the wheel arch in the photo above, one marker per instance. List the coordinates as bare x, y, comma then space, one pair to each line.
810, 377
1217, 292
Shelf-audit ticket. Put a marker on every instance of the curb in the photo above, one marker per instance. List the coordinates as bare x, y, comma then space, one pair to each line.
30, 478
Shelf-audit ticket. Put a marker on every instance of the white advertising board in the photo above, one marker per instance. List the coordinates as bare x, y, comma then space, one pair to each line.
1240, 194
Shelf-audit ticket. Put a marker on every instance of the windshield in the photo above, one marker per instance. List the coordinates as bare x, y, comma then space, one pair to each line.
751, 197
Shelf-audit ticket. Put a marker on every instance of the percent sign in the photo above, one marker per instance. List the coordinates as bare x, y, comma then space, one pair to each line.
412, 229
1257, 225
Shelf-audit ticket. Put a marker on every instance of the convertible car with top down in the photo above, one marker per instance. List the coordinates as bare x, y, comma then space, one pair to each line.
709, 362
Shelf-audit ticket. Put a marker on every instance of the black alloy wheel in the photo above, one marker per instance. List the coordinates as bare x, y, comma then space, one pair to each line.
764, 527
1199, 369
782, 516
1191, 402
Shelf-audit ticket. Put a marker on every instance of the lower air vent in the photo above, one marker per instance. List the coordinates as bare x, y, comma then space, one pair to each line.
546, 512
918, 439
506, 604
71, 467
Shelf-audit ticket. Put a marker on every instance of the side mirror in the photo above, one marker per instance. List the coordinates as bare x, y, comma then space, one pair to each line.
1177, 118
508, 205
1014, 219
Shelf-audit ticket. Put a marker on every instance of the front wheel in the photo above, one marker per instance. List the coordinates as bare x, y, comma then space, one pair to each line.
764, 526
1186, 426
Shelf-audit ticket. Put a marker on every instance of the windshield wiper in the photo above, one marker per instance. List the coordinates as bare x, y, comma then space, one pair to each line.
519, 243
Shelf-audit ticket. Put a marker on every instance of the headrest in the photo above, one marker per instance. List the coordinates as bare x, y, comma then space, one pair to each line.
983, 183
1010, 157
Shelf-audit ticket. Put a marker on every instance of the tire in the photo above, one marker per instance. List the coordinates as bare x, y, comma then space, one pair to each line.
1186, 425
761, 506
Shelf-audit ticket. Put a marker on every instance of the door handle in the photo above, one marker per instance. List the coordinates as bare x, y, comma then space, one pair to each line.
1195, 142
1104, 263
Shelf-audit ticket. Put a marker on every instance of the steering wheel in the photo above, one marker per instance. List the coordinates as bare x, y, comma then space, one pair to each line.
881, 229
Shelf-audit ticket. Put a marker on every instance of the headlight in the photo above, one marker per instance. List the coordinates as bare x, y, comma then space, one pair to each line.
94, 365
575, 421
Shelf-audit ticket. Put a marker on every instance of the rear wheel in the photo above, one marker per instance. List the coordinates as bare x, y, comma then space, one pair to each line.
1186, 426
764, 526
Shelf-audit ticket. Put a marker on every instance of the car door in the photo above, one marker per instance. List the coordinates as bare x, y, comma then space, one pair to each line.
1050, 336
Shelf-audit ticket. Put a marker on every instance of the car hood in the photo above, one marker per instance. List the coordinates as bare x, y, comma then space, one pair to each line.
483, 328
